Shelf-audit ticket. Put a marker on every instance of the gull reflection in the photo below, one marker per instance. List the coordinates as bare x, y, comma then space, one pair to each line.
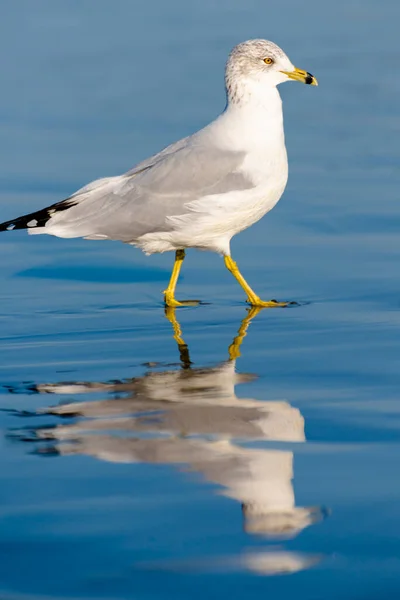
258, 562
191, 416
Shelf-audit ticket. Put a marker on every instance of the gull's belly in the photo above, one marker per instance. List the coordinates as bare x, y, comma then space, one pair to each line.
252, 210
214, 230
245, 209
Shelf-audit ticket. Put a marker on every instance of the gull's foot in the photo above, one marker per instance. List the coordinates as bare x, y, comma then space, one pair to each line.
171, 302
258, 303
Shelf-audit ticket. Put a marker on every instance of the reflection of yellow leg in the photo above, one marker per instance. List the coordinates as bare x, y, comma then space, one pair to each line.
234, 348
169, 293
171, 316
183, 349
252, 297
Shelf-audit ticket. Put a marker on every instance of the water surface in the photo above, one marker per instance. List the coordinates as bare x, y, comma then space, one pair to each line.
213, 451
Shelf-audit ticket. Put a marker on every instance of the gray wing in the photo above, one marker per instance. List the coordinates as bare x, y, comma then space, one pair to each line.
126, 207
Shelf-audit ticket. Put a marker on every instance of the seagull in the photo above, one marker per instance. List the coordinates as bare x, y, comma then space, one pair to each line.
200, 191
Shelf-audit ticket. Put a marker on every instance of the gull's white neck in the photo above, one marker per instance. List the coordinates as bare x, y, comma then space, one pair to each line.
252, 119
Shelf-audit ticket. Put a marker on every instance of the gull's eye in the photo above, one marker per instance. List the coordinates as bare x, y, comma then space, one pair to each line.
268, 60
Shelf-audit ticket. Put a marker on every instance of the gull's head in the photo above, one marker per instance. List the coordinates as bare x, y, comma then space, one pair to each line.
257, 65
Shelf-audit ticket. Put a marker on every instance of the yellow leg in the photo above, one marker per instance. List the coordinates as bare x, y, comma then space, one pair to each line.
252, 297
169, 293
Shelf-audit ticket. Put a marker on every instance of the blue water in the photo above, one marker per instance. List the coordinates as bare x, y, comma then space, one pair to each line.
136, 465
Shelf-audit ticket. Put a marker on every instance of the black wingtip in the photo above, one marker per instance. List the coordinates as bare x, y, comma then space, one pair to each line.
38, 218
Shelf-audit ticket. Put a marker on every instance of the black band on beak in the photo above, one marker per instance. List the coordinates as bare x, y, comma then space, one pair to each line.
309, 79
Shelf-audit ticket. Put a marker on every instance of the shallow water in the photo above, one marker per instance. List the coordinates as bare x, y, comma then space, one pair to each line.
213, 452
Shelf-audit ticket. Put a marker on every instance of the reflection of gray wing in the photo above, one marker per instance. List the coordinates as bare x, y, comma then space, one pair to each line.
139, 202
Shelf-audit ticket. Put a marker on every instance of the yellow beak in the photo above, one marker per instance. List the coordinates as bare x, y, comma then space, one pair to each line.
303, 76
